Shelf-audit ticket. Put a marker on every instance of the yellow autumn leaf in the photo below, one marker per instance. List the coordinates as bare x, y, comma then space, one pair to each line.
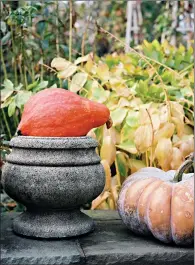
115, 135
136, 165
100, 200
163, 153
188, 129
187, 146
148, 117
177, 158
92, 134
177, 114
90, 66
103, 72
111, 203
166, 131
115, 192
164, 114
143, 138
179, 124
107, 174
108, 150
60, 64
83, 59
78, 81
69, 71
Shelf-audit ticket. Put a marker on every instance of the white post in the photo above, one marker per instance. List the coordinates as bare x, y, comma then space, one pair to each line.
129, 25
174, 22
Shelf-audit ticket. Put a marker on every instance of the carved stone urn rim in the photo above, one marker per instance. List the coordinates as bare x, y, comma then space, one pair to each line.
38, 142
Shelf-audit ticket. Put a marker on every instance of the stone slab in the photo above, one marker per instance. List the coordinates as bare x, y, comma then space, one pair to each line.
25, 251
111, 243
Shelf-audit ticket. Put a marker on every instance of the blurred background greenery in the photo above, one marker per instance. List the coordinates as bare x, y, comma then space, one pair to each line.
143, 81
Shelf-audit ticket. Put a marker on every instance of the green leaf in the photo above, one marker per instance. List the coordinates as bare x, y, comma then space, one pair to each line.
6, 38
5, 93
8, 84
53, 86
122, 165
3, 26
128, 146
96, 92
118, 116
22, 97
132, 118
127, 133
41, 26
18, 87
142, 88
78, 81
33, 85
11, 108
40, 86
7, 102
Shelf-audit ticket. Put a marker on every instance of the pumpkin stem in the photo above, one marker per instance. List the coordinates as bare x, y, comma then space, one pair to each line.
109, 123
188, 163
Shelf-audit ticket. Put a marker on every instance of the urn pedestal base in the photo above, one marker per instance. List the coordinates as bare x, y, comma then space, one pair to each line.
53, 177
52, 223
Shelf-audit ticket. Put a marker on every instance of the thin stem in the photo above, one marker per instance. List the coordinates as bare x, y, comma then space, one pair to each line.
144, 57
33, 71
42, 71
57, 32
117, 174
25, 78
3, 64
147, 164
83, 40
152, 127
6, 124
187, 164
23, 73
48, 67
185, 69
15, 57
70, 30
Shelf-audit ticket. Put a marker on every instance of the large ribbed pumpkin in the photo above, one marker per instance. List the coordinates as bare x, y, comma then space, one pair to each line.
161, 203
56, 112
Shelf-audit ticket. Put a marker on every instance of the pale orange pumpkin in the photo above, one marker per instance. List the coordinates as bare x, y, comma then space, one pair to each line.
161, 203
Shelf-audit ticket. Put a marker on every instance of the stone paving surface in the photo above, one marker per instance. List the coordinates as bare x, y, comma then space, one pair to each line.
109, 244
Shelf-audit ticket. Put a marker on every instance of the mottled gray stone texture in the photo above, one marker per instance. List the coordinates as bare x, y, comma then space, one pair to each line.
111, 243
53, 177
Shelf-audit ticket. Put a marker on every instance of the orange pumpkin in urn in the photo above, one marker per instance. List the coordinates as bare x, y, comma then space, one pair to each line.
161, 203
56, 112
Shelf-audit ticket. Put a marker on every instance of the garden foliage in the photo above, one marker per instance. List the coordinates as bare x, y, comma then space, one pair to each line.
150, 96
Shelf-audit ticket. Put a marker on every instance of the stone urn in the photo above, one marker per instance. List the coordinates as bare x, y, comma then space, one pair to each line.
53, 177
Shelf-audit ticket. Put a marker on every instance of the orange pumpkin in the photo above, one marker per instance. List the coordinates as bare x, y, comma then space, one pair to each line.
161, 203
56, 112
